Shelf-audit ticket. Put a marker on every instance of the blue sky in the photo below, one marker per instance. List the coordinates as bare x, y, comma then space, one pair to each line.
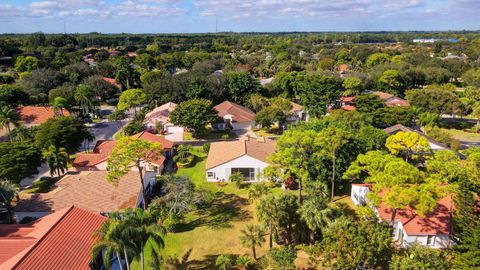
193, 16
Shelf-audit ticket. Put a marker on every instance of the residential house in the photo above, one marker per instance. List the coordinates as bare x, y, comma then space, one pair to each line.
161, 115
97, 159
112, 81
167, 145
432, 230
61, 240
390, 100
348, 103
343, 68
296, 114
249, 157
233, 116
89, 190
434, 145
37, 115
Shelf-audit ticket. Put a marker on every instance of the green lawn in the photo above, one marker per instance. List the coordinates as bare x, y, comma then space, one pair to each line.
43, 185
463, 135
209, 135
213, 231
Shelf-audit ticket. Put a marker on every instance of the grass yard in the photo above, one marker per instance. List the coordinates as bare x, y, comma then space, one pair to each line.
209, 135
43, 185
213, 231
463, 135
217, 229
268, 132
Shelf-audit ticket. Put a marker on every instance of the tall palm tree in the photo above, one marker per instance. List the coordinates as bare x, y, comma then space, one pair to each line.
8, 117
252, 236
142, 226
111, 241
59, 104
57, 159
267, 212
85, 96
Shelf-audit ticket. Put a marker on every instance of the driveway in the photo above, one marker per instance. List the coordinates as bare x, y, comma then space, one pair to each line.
175, 134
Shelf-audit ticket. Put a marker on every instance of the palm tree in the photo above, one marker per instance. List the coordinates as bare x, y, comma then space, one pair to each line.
224, 262
267, 212
111, 241
252, 236
57, 159
59, 104
257, 191
174, 263
8, 116
8, 192
85, 96
316, 213
141, 227
237, 178
243, 261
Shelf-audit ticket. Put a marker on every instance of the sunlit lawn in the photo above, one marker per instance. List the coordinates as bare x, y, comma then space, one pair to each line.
463, 135
215, 230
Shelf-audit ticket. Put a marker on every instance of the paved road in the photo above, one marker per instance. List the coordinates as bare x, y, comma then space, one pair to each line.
104, 131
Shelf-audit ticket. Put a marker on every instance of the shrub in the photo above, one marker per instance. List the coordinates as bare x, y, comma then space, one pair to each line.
171, 222
237, 178
282, 258
117, 115
206, 148
133, 127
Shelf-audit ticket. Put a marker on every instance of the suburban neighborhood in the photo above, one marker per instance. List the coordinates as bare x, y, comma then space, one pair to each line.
243, 149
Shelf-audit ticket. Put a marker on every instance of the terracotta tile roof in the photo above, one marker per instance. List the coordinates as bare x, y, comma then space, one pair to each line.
111, 81
145, 135
100, 153
36, 115
160, 114
348, 108
238, 113
343, 67
89, 190
390, 100
437, 222
54, 242
222, 152
347, 99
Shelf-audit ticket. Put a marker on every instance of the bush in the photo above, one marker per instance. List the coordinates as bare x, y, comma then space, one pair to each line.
133, 127
171, 222
206, 148
117, 115
282, 258
225, 137
237, 178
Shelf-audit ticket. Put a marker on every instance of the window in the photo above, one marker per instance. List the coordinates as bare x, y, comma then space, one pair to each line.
210, 175
430, 240
248, 173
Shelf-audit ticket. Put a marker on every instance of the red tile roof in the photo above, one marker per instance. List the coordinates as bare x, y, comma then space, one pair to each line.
145, 135
347, 99
437, 222
343, 67
348, 108
238, 113
100, 153
36, 115
111, 81
390, 100
56, 241
88, 190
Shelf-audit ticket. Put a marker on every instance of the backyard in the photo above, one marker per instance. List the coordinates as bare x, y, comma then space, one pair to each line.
213, 231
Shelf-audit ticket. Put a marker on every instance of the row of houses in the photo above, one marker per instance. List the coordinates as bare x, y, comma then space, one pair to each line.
389, 100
